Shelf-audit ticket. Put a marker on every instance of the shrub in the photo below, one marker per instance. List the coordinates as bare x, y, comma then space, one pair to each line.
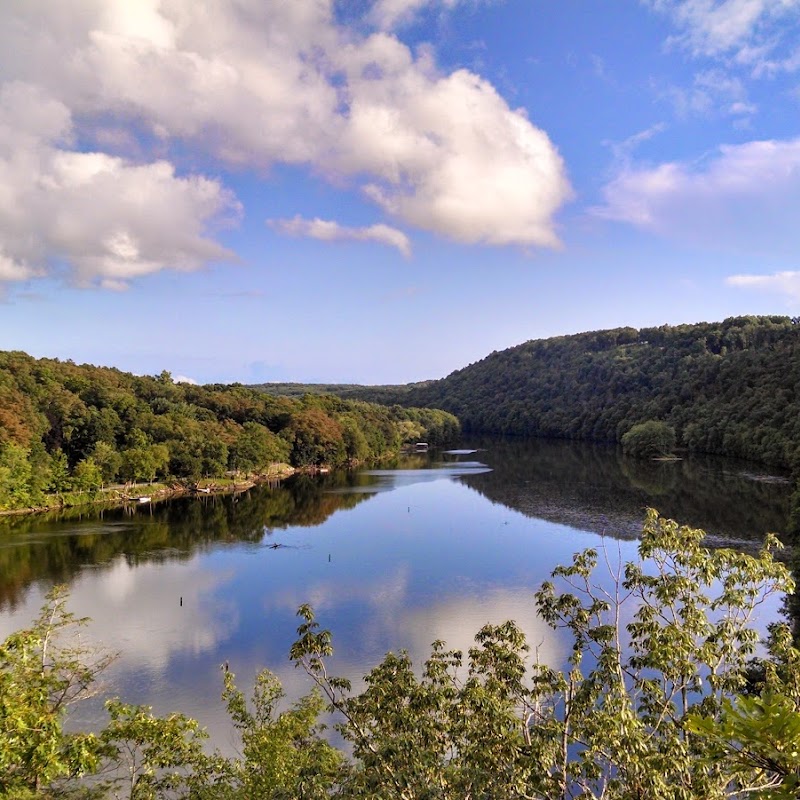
649, 439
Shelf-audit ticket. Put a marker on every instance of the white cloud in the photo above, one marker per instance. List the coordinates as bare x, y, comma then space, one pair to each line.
740, 108
743, 196
387, 14
16, 269
769, 67
184, 379
787, 283
748, 30
711, 91
107, 219
330, 231
251, 83
623, 150
448, 154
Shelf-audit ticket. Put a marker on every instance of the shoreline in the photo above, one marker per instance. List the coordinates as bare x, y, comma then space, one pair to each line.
122, 495
119, 497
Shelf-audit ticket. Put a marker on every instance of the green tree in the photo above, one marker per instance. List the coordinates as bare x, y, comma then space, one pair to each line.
152, 757
214, 454
108, 460
355, 440
671, 640
185, 457
160, 454
757, 734
282, 754
15, 476
59, 472
649, 440
41, 471
759, 739
316, 438
144, 462
256, 447
138, 464
87, 476
44, 670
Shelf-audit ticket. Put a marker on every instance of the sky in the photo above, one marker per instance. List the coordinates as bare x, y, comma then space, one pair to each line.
384, 191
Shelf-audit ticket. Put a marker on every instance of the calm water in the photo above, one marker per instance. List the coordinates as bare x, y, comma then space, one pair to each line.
433, 547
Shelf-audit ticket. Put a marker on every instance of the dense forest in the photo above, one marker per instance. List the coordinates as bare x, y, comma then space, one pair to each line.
70, 428
728, 387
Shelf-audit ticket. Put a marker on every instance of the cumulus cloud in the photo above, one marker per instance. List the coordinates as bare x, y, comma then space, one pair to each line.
743, 196
787, 283
251, 83
447, 154
330, 231
107, 219
749, 30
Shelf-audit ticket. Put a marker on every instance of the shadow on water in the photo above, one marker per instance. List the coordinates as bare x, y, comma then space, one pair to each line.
55, 547
596, 488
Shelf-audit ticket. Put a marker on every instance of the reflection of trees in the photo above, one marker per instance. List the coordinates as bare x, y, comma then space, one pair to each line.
594, 487
54, 547
587, 486
655, 478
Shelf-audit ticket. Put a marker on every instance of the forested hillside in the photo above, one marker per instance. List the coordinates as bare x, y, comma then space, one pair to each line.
65, 427
729, 387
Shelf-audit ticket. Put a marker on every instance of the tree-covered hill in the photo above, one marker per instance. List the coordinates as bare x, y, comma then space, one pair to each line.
65, 427
728, 387
384, 394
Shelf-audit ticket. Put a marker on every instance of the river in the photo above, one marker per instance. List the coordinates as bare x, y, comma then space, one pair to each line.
430, 547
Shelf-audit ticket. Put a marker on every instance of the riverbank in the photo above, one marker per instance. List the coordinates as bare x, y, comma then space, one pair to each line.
145, 493
131, 494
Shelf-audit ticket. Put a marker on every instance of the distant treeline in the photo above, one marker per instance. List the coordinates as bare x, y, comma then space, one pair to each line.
728, 387
70, 428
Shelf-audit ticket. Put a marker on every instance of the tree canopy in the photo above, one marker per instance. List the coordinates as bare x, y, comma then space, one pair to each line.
649, 439
726, 387
68, 427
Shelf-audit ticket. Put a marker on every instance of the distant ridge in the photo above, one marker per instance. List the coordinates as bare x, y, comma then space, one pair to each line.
727, 387
344, 390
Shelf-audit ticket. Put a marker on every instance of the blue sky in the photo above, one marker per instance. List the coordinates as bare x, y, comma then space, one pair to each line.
383, 191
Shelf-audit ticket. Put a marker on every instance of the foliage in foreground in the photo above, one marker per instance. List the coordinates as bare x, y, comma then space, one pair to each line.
659, 699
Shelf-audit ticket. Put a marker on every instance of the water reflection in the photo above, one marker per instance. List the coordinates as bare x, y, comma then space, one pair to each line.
596, 488
391, 558
55, 548
388, 479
